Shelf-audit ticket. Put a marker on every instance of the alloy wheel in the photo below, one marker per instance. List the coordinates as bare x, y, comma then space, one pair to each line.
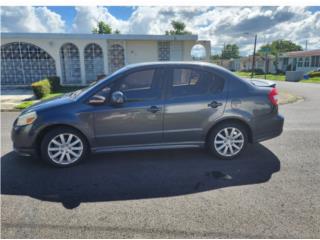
65, 148
229, 141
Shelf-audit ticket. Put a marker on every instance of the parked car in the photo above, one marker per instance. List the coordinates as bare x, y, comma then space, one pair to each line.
158, 105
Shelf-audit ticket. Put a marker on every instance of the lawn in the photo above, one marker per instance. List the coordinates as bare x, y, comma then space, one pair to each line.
275, 77
26, 104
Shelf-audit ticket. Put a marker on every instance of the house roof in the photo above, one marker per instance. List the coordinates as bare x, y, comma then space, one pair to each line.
100, 36
308, 53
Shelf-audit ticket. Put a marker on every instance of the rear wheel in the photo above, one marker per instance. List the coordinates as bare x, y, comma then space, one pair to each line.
227, 140
63, 147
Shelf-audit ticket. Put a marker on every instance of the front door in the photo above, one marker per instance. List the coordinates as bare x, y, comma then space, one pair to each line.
194, 99
139, 119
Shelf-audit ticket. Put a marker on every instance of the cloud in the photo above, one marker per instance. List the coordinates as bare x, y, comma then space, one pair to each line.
30, 19
220, 25
87, 18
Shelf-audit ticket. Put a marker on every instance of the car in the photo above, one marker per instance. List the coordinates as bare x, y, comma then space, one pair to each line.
146, 106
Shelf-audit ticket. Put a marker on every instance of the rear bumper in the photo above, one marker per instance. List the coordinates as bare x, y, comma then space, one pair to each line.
28, 152
268, 128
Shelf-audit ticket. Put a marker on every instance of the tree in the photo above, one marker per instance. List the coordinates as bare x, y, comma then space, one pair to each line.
178, 29
116, 31
280, 46
102, 28
230, 51
215, 57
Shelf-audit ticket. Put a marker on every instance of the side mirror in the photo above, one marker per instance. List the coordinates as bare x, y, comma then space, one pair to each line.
97, 100
117, 98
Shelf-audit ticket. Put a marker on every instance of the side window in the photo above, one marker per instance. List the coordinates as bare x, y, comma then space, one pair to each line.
139, 86
193, 82
141, 80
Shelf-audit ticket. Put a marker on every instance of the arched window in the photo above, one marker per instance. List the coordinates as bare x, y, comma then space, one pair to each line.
70, 64
24, 63
93, 61
116, 57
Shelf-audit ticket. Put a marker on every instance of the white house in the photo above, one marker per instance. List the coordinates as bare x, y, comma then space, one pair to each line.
305, 61
79, 59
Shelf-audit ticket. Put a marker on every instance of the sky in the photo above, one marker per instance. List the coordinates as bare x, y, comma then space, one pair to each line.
220, 25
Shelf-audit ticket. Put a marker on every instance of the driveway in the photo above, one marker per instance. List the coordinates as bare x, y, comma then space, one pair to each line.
271, 191
12, 96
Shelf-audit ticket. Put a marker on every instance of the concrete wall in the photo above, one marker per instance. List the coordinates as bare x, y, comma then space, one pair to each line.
141, 51
135, 50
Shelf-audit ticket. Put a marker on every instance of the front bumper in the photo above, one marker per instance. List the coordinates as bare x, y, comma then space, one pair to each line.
23, 138
268, 128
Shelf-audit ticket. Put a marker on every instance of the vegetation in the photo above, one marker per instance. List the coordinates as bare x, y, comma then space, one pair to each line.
280, 46
41, 88
178, 29
26, 104
104, 28
230, 51
279, 77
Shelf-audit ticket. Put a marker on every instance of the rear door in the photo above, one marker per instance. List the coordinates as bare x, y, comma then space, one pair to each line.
194, 99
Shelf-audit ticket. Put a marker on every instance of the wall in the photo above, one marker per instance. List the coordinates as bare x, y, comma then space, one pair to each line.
141, 51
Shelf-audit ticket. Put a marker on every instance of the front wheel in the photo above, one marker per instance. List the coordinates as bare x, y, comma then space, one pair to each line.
63, 147
227, 140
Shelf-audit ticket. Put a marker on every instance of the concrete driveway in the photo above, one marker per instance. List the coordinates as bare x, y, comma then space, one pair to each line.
10, 97
271, 191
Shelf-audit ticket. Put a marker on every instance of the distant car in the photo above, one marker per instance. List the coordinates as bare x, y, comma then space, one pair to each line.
147, 106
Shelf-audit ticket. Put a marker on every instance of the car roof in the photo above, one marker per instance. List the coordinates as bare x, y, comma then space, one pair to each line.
175, 63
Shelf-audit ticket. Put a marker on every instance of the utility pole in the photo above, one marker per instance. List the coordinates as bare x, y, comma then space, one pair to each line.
254, 55
306, 45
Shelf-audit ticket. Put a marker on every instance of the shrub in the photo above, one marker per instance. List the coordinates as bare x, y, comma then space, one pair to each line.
54, 83
41, 88
314, 74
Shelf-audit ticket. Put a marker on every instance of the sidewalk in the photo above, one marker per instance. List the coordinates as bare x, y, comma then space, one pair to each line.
10, 97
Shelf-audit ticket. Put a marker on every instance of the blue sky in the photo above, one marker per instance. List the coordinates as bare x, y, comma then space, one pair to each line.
220, 25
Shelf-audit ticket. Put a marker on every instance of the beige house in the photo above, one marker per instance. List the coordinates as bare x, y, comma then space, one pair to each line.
305, 61
79, 59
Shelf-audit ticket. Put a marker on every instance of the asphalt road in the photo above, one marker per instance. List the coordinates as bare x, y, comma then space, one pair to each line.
271, 191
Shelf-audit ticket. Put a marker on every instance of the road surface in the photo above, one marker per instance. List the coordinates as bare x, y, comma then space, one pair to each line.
271, 191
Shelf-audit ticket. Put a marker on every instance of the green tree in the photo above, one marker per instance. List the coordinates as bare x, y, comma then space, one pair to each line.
230, 51
178, 28
102, 28
280, 46
215, 57
116, 31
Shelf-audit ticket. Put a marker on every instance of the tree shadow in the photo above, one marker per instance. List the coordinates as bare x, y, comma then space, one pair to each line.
134, 175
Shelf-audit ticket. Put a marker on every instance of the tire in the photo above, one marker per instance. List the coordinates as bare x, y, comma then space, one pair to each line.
217, 145
63, 147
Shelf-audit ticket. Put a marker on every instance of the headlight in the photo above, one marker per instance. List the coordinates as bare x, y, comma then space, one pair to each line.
27, 118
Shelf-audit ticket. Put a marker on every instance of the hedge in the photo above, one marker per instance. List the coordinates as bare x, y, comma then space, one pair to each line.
314, 74
55, 84
41, 88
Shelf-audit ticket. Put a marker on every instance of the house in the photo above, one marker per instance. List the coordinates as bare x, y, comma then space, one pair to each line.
305, 61
79, 59
265, 64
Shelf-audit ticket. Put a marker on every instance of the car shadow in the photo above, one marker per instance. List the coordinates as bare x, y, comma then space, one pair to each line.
134, 175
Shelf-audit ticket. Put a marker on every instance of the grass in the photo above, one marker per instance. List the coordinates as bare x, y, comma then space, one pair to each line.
275, 77
268, 76
26, 104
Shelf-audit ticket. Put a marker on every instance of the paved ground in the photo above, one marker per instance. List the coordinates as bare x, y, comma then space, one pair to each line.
273, 190
10, 97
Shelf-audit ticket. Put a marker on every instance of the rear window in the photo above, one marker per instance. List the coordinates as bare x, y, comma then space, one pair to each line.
193, 82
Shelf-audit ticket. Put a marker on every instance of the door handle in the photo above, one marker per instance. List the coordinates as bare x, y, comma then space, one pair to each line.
214, 104
153, 109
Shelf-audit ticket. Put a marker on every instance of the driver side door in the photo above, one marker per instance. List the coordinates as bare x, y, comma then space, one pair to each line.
138, 121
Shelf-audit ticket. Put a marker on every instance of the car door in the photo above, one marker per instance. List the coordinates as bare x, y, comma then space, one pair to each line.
194, 99
139, 119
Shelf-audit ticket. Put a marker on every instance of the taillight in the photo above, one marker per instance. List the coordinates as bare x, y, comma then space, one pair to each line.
273, 96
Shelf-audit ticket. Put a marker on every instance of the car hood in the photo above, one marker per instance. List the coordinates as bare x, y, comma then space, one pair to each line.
50, 103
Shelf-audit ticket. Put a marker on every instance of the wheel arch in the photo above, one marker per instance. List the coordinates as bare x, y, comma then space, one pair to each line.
240, 121
48, 128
